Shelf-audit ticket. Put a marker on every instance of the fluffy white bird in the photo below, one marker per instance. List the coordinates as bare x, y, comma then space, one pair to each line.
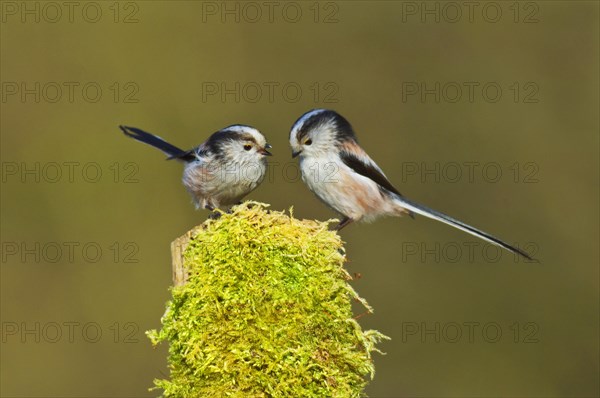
346, 179
222, 170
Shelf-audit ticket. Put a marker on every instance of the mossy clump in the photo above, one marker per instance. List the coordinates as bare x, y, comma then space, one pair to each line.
266, 312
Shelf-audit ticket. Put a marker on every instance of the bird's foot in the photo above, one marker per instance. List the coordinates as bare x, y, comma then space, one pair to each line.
343, 223
215, 215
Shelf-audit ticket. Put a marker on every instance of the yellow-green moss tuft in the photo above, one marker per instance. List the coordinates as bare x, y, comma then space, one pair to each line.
266, 312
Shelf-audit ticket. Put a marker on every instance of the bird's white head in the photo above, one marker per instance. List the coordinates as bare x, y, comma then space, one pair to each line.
239, 143
318, 132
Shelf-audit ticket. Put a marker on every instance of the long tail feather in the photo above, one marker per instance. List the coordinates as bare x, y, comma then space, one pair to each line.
436, 215
171, 150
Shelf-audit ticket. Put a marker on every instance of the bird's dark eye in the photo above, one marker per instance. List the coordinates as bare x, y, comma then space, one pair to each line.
247, 147
308, 142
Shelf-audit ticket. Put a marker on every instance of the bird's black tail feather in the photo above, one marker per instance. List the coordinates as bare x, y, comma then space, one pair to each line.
436, 215
171, 150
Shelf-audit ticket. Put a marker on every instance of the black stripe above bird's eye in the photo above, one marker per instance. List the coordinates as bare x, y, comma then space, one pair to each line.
248, 137
343, 128
216, 141
310, 125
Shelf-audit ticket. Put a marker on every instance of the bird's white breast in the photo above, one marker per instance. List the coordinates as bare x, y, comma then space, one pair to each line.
342, 189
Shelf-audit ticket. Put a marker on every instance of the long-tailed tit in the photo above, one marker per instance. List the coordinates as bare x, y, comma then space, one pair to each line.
347, 180
222, 170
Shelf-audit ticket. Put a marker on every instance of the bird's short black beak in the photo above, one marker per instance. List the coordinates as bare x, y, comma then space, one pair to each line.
264, 150
294, 154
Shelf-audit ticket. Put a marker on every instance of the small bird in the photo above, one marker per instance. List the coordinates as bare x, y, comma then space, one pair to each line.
341, 174
222, 170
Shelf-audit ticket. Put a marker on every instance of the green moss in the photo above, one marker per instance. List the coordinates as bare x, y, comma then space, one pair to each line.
266, 312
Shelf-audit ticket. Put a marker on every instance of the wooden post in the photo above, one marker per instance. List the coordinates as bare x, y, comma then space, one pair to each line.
178, 247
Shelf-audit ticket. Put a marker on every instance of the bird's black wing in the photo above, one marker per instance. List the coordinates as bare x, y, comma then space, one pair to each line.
369, 170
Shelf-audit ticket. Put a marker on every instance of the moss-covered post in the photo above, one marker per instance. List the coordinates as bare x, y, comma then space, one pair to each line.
261, 307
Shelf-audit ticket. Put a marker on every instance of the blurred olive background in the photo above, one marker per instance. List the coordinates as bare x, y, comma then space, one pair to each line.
159, 65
